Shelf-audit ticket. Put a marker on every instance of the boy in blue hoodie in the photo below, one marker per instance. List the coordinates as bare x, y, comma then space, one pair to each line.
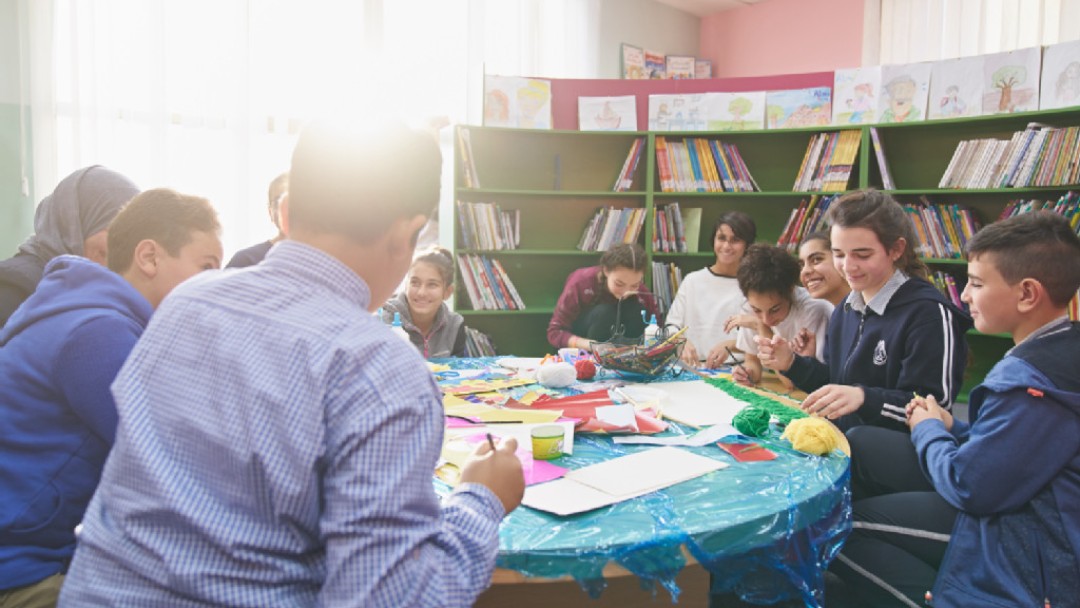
59, 352
1007, 485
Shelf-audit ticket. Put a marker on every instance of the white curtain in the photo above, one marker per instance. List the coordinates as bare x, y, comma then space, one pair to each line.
929, 30
207, 96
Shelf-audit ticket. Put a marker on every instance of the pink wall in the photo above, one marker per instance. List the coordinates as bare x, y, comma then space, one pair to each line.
784, 37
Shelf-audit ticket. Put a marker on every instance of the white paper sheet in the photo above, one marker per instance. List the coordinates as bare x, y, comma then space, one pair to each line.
618, 479
706, 436
698, 404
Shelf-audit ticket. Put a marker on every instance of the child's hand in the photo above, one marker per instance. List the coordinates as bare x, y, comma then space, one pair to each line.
920, 409
718, 356
833, 401
689, 355
734, 322
740, 376
775, 353
500, 471
804, 343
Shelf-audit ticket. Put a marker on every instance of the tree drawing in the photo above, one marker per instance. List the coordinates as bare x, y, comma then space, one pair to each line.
1005, 78
739, 107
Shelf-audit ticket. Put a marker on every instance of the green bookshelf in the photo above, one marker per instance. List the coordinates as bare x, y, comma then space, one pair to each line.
558, 179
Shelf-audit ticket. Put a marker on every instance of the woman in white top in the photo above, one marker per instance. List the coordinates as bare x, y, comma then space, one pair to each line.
769, 278
707, 297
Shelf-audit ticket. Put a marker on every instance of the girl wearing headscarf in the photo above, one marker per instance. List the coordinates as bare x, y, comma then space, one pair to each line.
73, 219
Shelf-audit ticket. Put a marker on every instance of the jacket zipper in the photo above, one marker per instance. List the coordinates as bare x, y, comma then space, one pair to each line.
858, 339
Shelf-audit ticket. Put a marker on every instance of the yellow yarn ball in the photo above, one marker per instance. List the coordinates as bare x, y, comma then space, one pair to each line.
812, 436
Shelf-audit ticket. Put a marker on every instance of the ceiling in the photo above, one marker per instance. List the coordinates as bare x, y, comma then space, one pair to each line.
704, 8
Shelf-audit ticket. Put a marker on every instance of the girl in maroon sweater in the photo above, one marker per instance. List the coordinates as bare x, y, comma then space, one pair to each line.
595, 296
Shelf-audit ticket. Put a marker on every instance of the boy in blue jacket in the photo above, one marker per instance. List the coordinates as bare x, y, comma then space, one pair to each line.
1010, 480
59, 353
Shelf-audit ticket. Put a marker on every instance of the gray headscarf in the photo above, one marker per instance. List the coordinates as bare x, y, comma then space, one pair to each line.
82, 205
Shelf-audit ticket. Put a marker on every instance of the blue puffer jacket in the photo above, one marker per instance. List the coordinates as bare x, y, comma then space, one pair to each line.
1014, 474
59, 353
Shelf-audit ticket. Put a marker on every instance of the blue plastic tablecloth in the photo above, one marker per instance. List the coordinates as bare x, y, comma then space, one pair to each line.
765, 530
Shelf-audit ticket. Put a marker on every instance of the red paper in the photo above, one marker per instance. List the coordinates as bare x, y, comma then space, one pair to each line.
747, 452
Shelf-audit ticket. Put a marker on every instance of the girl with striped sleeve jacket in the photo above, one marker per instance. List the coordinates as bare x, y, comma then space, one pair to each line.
893, 337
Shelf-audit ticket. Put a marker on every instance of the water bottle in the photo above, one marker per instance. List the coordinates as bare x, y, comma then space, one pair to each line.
652, 332
398, 330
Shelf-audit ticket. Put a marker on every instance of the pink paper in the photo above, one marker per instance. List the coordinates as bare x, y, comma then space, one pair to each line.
535, 471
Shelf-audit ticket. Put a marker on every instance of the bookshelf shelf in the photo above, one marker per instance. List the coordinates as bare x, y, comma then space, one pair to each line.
530, 252
475, 192
538, 310
558, 179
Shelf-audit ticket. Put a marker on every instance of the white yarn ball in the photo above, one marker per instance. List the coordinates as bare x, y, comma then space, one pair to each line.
557, 375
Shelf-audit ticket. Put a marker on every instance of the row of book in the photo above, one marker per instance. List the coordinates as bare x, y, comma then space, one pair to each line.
666, 279
487, 284
486, 226
625, 181
808, 217
676, 229
1039, 155
1068, 205
828, 162
478, 344
943, 230
468, 165
701, 165
612, 226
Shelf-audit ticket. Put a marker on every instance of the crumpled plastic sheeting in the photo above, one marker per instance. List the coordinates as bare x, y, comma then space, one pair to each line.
765, 530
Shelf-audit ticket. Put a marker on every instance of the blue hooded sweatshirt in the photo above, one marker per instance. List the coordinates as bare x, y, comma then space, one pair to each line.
916, 346
1014, 474
59, 353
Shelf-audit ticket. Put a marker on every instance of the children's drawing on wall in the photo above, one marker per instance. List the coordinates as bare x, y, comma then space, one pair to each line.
1060, 76
904, 90
510, 101
855, 95
956, 88
798, 108
607, 113
677, 112
1011, 81
735, 111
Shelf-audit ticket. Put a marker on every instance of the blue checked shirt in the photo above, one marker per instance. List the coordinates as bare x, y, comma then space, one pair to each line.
275, 448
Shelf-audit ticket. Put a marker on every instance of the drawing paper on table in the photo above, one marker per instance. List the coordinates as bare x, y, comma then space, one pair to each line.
617, 480
705, 436
698, 404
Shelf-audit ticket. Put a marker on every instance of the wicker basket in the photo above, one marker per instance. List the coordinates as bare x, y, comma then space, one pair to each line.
650, 362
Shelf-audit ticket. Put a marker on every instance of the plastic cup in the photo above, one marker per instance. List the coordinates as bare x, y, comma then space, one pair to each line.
547, 441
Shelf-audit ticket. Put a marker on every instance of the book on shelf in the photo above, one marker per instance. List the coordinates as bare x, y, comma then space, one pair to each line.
828, 162
1068, 205
478, 344
486, 226
666, 279
612, 226
943, 230
676, 229
883, 166
804, 219
1038, 156
701, 165
947, 285
487, 284
469, 176
625, 181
